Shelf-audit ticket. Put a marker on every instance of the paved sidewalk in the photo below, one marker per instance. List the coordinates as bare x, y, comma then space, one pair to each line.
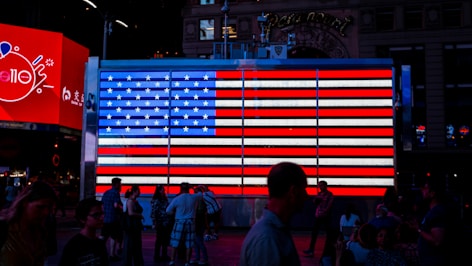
222, 252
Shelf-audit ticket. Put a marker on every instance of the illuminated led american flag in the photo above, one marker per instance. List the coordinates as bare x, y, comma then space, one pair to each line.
226, 128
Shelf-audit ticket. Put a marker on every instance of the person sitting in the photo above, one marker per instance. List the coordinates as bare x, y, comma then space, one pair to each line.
383, 220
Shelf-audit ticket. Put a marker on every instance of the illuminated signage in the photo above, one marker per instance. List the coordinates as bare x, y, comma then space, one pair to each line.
225, 128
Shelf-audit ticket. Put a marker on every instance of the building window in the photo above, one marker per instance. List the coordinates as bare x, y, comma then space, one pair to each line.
207, 29
384, 19
207, 2
232, 32
413, 17
458, 92
452, 15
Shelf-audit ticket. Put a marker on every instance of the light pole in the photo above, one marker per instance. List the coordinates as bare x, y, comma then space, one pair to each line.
107, 27
225, 10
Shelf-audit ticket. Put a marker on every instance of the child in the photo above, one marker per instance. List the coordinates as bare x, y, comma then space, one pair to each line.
86, 246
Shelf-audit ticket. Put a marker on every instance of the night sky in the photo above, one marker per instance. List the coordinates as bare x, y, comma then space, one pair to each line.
154, 25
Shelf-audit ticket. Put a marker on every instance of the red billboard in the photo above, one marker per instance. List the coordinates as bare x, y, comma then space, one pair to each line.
41, 77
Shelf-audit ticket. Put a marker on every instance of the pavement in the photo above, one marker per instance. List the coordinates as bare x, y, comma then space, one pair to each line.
222, 252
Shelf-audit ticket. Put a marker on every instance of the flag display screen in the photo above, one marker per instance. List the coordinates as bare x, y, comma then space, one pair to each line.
226, 128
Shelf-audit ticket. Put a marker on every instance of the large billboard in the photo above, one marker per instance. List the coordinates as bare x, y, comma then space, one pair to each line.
41, 77
225, 126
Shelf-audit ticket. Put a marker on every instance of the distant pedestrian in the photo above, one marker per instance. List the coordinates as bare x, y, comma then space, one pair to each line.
184, 207
11, 191
113, 208
25, 226
323, 203
133, 245
269, 241
161, 222
86, 248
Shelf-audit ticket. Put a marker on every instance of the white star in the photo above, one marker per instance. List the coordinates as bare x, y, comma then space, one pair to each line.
186, 90
195, 122
118, 122
148, 103
195, 109
176, 109
176, 84
205, 116
137, 122
108, 129
110, 90
166, 77
156, 122
128, 77
128, 103
156, 97
128, 116
156, 110
147, 90
176, 122
118, 110
186, 103
157, 84
109, 103
128, 129
205, 90
147, 116
148, 77
187, 77
195, 84
118, 97
138, 97
110, 78
166, 103
128, 90
205, 129
166, 129
137, 109
109, 116
185, 116
195, 97
166, 90
119, 84
138, 84
185, 129
176, 97
166, 116
205, 77
146, 129
205, 103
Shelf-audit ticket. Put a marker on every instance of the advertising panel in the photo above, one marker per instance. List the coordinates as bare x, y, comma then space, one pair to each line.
37, 69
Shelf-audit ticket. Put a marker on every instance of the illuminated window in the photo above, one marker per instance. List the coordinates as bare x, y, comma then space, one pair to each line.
207, 29
232, 32
207, 2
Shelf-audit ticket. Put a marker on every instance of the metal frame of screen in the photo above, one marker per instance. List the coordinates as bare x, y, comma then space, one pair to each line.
225, 122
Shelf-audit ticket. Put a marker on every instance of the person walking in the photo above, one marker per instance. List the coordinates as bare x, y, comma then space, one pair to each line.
269, 241
113, 208
86, 248
323, 203
183, 206
201, 222
133, 245
24, 226
161, 222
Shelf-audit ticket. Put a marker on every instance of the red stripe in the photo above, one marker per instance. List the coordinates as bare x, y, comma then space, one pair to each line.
356, 93
280, 74
274, 93
355, 132
266, 112
229, 74
365, 151
355, 112
262, 191
355, 74
356, 171
273, 132
132, 151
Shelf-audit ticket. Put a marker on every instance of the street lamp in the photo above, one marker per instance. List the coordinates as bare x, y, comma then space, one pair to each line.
225, 9
107, 26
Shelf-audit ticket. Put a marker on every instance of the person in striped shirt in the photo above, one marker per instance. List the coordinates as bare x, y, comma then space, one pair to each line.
214, 210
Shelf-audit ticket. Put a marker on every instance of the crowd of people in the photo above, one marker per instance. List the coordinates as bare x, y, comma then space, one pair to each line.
424, 232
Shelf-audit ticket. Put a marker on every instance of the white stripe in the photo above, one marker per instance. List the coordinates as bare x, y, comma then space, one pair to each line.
323, 83
247, 161
356, 122
101, 179
372, 83
305, 103
280, 84
309, 122
354, 181
248, 141
206, 180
